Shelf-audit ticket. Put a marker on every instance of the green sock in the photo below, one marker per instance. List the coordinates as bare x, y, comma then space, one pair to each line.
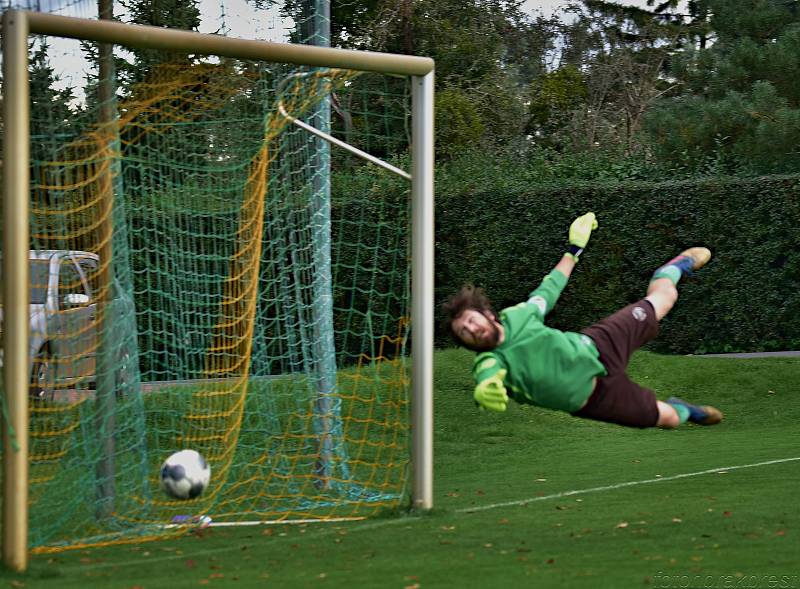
673, 273
681, 410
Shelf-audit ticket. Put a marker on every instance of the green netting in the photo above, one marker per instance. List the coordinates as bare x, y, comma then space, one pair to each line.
206, 282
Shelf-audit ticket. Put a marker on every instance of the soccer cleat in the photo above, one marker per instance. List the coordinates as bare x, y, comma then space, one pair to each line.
701, 414
691, 259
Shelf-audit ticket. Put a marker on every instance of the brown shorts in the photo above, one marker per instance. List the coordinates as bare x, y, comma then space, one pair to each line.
616, 398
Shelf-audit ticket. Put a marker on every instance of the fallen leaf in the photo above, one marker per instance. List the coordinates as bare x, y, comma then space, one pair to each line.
551, 561
190, 564
503, 521
780, 533
726, 513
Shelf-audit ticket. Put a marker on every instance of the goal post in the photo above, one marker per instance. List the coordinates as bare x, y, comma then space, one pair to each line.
17, 27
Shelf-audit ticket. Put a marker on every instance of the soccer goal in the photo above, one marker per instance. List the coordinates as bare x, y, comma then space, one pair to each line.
232, 253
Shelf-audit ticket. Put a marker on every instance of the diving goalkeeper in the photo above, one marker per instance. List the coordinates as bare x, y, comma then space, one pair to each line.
584, 373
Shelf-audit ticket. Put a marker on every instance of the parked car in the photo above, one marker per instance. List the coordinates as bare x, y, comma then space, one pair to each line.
64, 342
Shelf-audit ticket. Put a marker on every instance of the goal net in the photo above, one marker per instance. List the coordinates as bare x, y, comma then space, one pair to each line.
206, 274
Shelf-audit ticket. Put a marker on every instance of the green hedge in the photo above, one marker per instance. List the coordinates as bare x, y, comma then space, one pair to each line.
498, 230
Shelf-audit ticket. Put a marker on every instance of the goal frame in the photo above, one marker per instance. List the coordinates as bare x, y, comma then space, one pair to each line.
17, 26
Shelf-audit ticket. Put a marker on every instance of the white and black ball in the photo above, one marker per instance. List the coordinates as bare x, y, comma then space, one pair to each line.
185, 475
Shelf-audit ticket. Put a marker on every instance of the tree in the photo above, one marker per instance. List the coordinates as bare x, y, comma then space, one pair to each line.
173, 14
487, 53
739, 99
54, 122
611, 65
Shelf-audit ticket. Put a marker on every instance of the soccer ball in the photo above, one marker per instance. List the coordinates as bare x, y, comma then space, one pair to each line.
185, 474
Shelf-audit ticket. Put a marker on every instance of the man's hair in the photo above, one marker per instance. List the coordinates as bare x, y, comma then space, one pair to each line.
469, 297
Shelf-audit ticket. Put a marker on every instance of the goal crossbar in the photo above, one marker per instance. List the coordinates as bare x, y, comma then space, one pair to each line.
17, 26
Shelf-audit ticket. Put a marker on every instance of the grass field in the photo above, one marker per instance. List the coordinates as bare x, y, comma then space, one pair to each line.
532, 498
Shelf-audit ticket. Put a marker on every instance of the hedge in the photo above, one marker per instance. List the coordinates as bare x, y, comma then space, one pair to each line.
505, 234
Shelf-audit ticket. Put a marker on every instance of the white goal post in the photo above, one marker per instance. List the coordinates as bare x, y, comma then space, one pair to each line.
17, 26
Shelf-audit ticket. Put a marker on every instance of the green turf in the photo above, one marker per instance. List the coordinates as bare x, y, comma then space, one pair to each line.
739, 528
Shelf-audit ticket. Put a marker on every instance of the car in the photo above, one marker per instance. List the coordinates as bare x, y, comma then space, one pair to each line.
64, 341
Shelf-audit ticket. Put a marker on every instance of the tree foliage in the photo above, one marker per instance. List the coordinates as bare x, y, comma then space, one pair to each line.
739, 99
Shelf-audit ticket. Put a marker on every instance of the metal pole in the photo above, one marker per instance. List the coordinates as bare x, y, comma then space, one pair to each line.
16, 235
105, 401
422, 291
148, 37
327, 405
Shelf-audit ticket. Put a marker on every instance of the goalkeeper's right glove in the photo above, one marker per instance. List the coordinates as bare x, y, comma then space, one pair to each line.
491, 393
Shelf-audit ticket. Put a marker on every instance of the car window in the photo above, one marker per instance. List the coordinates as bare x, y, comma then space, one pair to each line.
89, 268
39, 277
70, 280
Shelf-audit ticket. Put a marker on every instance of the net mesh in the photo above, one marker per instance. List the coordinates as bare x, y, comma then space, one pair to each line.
199, 280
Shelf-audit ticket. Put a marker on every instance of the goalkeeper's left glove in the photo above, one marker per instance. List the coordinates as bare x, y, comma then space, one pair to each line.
579, 233
491, 393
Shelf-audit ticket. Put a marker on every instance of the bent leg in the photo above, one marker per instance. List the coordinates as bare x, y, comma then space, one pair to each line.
662, 294
667, 416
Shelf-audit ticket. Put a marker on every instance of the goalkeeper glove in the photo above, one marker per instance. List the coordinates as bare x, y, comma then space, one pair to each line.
579, 233
491, 393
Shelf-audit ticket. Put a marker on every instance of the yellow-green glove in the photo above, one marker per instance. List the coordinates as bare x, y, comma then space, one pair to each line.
581, 229
491, 393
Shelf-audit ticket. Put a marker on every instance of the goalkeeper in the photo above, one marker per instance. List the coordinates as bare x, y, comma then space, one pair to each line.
581, 373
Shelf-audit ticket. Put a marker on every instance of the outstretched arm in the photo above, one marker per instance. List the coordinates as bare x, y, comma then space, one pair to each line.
566, 265
546, 295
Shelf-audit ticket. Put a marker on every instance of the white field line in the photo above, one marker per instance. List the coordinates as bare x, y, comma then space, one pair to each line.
622, 485
370, 525
282, 522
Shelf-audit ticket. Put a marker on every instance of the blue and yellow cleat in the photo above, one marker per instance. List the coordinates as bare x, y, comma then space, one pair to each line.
701, 414
691, 259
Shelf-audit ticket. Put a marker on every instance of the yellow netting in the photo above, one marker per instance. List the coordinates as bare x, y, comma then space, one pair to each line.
179, 255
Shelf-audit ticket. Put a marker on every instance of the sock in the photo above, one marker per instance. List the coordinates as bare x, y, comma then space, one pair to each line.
674, 269
673, 273
681, 410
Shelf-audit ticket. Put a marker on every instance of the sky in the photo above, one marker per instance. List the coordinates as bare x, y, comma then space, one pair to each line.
550, 7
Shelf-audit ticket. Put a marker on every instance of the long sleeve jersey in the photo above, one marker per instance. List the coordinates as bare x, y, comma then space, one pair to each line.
544, 366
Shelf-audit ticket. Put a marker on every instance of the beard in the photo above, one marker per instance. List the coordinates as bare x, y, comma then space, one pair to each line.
488, 343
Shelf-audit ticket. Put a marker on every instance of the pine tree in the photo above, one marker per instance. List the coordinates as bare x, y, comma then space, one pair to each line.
739, 104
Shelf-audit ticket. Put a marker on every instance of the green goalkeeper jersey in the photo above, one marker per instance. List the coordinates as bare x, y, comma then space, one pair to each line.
544, 366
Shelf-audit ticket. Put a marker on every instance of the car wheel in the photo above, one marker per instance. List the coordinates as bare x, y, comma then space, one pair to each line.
40, 390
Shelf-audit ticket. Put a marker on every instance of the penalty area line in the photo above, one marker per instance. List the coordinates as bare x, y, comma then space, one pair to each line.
722, 469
